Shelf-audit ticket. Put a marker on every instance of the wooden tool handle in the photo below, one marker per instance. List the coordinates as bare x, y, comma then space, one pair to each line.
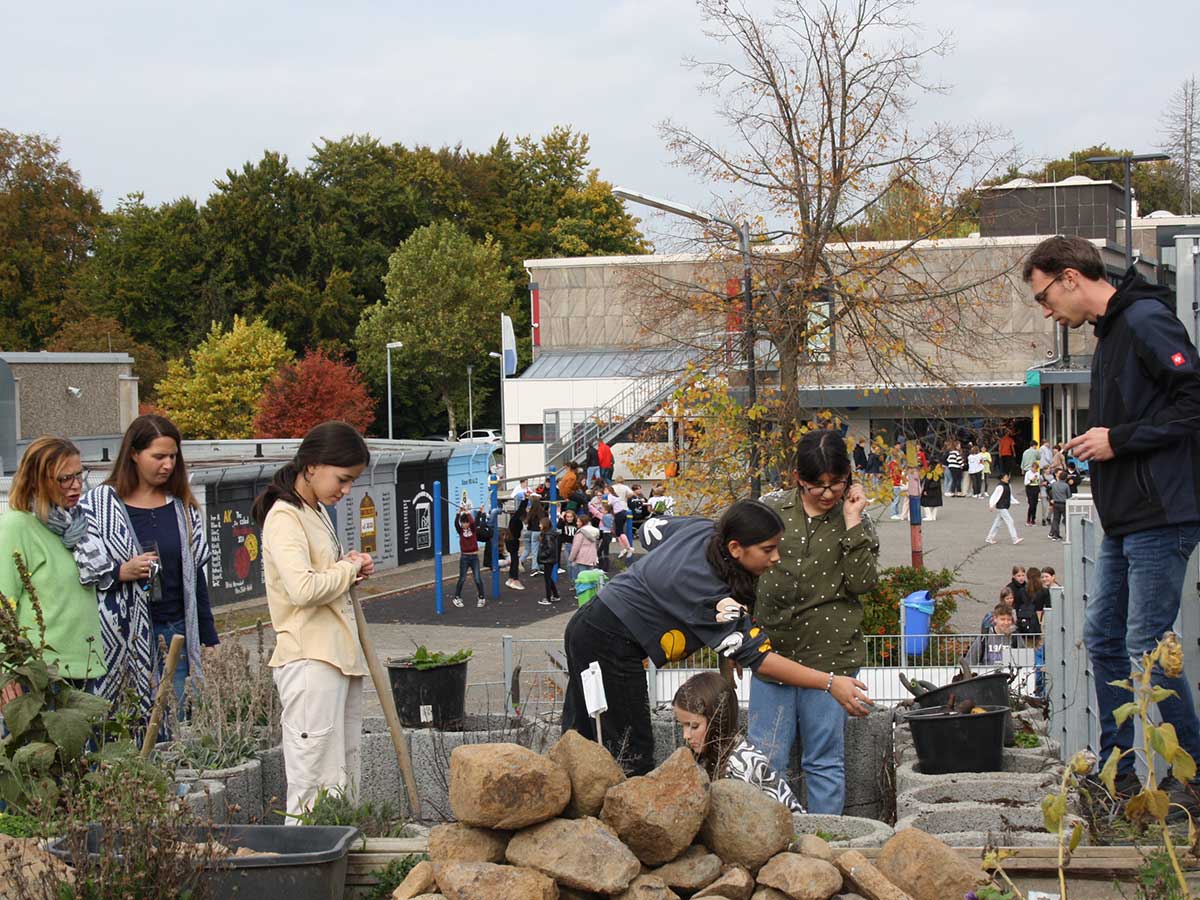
383, 687
165, 685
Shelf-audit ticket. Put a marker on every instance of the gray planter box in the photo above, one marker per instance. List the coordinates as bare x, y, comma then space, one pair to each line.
854, 830
274, 786
243, 789
205, 800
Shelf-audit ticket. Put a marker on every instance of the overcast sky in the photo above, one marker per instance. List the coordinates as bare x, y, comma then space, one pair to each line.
163, 97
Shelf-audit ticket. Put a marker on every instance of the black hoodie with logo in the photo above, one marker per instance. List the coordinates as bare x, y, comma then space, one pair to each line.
1146, 390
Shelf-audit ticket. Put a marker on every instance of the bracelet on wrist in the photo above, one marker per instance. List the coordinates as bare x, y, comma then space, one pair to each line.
829, 684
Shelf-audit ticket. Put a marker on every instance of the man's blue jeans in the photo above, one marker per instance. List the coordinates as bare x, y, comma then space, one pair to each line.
593, 472
776, 710
898, 496
1139, 580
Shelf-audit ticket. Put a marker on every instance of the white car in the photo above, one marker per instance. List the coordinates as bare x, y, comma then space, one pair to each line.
480, 436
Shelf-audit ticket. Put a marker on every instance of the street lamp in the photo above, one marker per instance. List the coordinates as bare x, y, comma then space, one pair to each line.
470, 400
743, 234
1128, 159
391, 345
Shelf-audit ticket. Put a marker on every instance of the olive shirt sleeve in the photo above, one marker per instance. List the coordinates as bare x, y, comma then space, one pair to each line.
860, 557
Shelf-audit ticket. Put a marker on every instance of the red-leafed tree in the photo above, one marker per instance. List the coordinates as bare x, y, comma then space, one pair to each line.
306, 393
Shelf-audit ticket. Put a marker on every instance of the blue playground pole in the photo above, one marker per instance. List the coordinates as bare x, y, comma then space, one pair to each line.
554, 520
438, 543
494, 515
629, 527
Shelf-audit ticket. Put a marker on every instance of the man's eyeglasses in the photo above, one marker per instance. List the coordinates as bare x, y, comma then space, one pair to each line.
819, 490
68, 480
1040, 297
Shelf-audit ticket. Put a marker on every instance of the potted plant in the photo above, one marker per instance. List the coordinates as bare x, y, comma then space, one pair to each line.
430, 688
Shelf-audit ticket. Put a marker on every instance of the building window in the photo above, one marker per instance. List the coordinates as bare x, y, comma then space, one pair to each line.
531, 434
818, 345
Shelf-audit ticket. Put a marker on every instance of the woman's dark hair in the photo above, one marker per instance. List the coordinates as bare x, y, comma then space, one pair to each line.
141, 433
747, 522
710, 694
534, 517
327, 444
821, 452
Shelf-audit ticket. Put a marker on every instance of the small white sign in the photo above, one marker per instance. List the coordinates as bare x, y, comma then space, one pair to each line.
1042, 895
426, 713
593, 690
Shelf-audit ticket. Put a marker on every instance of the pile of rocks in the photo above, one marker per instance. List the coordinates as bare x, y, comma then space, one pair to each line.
570, 825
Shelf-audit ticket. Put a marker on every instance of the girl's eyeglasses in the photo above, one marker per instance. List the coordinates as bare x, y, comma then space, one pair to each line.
819, 490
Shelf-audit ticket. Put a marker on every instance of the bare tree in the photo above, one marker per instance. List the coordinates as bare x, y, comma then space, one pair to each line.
1181, 128
817, 101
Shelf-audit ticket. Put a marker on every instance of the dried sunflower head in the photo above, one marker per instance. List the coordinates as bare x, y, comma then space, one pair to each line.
1170, 655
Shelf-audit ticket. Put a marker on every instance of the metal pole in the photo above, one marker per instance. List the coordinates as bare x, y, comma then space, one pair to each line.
751, 376
1196, 292
914, 518
506, 652
1128, 212
494, 516
389, 392
470, 401
503, 429
439, 541
554, 520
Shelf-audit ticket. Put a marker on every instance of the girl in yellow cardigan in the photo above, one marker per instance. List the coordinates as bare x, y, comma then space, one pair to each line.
318, 662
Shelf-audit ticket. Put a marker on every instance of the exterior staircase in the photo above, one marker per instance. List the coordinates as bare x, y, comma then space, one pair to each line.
627, 409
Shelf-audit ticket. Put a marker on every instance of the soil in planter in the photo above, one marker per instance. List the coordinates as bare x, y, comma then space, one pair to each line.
429, 698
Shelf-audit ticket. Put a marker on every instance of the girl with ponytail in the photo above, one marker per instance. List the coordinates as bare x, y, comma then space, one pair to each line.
318, 662
698, 591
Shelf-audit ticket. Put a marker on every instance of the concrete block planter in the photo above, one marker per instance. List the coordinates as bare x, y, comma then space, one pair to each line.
1017, 768
243, 789
998, 795
274, 786
847, 831
205, 799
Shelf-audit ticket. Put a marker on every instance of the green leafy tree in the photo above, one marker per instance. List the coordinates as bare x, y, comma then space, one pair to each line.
445, 294
215, 392
260, 226
101, 334
147, 270
312, 314
47, 220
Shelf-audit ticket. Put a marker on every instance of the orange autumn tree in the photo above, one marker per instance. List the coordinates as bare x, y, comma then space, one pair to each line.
313, 390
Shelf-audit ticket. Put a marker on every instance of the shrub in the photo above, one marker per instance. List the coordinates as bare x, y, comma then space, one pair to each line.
881, 607
389, 877
332, 807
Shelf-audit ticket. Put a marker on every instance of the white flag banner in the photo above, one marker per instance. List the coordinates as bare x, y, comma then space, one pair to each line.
508, 344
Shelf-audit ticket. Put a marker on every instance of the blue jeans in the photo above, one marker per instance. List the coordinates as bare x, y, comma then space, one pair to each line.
898, 497
776, 710
468, 562
530, 542
593, 472
1139, 580
167, 631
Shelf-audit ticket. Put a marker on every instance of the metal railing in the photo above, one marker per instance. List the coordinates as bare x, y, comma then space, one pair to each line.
538, 668
609, 421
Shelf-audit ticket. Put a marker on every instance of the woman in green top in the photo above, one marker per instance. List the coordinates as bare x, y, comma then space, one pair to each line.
809, 605
43, 525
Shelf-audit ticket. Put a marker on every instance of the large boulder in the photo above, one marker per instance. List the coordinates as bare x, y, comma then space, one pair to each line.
418, 881
744, 826
736, 884
505, 786
925, 868
647, 887
584, 854
860, 873
457, 842
487, 881
592, 771
694, 869
657, 815
801, 877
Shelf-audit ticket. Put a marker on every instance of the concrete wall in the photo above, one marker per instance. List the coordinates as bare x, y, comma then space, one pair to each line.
107, 403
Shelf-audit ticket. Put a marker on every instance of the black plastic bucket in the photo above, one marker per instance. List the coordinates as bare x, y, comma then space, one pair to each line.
982, 690
300, 862
958, 742
429, 698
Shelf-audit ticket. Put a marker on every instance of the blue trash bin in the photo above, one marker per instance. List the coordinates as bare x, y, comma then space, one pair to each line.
918, 613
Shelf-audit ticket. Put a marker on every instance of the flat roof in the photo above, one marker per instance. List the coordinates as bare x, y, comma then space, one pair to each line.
614, 363
43, 356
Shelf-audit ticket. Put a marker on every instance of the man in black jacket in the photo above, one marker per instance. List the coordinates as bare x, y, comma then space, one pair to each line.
1143, 448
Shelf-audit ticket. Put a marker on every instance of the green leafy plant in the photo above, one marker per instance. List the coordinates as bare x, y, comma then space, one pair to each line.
422, 659
389, 877
881, 606
18, 825
50, 722
332, 807
1027, 739
1156, 878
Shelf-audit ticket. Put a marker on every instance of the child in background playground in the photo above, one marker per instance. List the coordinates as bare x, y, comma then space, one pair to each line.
706, 708
585, 546
468, 559
566, 532
606, 534
547, 561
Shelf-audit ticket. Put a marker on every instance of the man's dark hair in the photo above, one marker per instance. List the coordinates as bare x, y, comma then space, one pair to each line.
1055, 255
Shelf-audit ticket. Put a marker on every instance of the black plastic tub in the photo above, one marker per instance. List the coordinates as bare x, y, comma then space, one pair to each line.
429, 698
949, 742
982, 690
306, 862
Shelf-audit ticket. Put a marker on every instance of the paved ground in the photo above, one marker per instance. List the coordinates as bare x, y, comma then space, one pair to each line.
403, 614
